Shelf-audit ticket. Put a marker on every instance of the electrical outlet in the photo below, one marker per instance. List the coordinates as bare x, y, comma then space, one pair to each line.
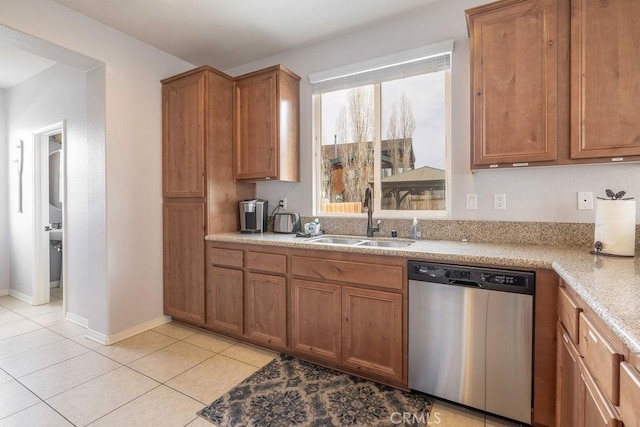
472, 201
283, 202
585, 200
500, 201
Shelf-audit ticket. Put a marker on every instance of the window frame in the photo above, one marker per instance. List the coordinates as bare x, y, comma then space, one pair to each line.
387, 213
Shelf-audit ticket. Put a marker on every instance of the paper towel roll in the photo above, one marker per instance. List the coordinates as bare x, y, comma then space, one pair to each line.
616, 226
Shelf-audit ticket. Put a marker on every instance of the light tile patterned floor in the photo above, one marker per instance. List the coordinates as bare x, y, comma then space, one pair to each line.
50, 375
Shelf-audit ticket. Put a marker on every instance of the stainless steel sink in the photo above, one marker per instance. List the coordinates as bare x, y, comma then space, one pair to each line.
354, 241
386, 243
336, 240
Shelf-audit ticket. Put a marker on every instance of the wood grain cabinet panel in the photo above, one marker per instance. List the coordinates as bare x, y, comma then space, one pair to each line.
605, 80
262, 261
225, 300
569, 314
514, 55
184, 263
316, 316
372, 332
566, 380
602, 358
594, 409
226, 257
629, 395
183, 137
266, 309
267, 122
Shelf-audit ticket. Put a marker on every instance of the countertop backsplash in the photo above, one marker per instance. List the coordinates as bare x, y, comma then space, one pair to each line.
579, 235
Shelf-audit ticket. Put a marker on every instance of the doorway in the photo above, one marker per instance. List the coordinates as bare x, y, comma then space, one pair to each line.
50, 213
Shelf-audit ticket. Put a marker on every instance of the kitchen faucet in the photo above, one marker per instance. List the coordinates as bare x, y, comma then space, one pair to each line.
368, 203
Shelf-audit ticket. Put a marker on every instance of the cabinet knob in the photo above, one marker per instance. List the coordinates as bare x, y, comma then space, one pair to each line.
550, 42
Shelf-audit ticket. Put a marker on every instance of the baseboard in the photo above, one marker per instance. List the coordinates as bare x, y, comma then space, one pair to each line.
78, 320
54, 284
22, 297
127, 333
4, 292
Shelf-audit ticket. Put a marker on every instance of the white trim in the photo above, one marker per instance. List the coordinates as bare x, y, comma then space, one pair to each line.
22, 297
78, 320
127, 333
406, 57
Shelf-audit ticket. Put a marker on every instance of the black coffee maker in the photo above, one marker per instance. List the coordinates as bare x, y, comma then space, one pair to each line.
253, 216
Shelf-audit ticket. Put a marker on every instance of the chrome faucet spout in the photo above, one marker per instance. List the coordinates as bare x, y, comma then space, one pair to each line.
368, 203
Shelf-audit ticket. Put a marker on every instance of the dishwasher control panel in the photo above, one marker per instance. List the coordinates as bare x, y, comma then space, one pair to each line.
485, 278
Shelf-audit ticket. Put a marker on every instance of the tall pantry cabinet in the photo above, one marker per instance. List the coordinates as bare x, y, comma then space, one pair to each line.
200, 195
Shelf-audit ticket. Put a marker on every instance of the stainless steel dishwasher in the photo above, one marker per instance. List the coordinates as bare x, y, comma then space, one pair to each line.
471, 336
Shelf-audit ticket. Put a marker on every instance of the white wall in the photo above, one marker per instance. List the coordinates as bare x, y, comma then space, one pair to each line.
125, 226
536, 194
5, 163
54, 95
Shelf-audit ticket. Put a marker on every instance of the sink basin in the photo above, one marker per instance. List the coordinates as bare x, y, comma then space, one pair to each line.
336, 240
385, 243
354, 241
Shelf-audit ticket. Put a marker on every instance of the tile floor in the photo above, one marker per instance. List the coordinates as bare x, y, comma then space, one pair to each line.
50, 375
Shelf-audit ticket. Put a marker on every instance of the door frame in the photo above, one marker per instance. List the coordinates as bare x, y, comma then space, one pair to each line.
41, 244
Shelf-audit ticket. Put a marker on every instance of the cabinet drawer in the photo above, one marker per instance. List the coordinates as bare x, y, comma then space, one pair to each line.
225, 257
273, 263
601, 357
629, 395
385, 276
569, 313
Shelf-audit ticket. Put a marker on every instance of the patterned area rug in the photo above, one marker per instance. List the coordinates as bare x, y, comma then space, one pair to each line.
292, 392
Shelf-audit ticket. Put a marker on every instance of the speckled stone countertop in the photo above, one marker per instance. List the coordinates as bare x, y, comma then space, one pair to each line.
609, 285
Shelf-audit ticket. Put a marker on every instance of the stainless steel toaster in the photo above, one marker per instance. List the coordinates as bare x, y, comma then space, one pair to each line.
286, 223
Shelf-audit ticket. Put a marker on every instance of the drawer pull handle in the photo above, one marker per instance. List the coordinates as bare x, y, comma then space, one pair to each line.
593, 337
564, 337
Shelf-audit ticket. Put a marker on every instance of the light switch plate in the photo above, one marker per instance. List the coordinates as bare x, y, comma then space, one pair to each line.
585, 200
472, 202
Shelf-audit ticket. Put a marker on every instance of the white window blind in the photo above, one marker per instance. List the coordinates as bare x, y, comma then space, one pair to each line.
426, 59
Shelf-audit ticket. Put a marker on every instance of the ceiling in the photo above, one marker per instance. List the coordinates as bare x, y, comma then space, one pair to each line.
228, 33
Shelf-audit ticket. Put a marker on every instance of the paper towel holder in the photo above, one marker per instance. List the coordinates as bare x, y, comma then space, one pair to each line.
597, 250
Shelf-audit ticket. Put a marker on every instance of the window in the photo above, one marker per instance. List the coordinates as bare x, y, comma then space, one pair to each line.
384, 124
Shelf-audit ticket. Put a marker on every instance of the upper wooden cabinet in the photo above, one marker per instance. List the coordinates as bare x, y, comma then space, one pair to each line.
267, 121
605, 78
183, 136
514, 66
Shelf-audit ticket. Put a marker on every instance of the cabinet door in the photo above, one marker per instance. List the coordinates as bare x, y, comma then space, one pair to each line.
256, 133
316, 317
266, 309
594, 409
514, 82
183, 137
605, 82
224, 300
372, 332
184, 265
567, 380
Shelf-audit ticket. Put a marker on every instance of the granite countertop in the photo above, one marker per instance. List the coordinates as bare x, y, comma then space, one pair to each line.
609, 285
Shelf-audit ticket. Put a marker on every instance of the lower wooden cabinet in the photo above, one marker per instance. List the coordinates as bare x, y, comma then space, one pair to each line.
316, 319
184, 265
566, 380
372, 332
266, 309
224, 300
594, 409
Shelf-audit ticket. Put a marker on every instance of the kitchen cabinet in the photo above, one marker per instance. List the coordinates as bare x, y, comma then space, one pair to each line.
567, 379
380, 352
267, 116
316, 319
605, 80
224, 300
183, 256
266, 309
592, 387
514, 82
200, 195
629, 395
